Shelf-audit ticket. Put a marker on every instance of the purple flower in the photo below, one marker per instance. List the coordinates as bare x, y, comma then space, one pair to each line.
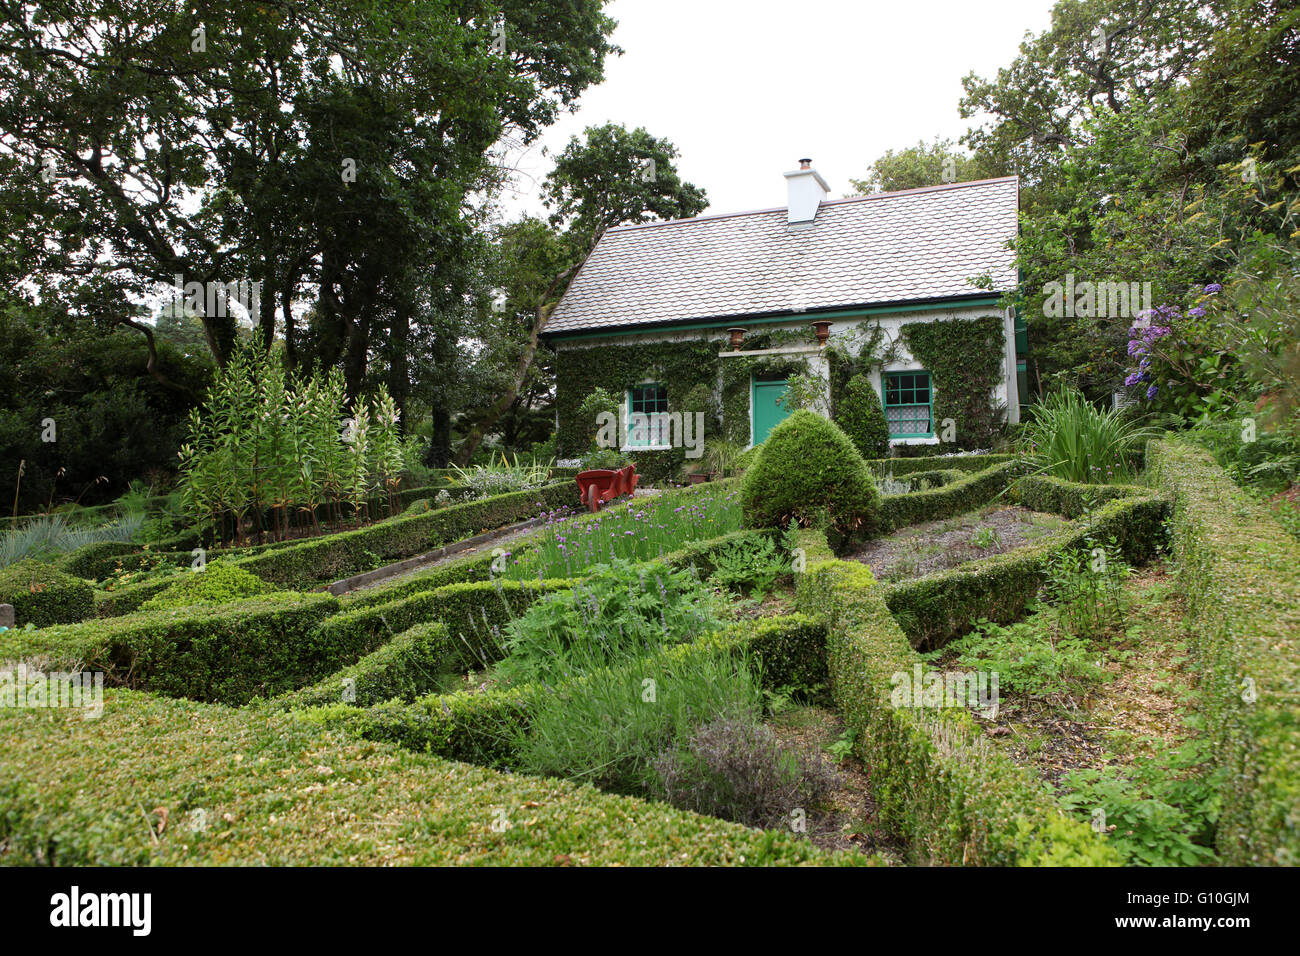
1151, 392
1133, 379
1212, 288
1136, 347
1196, 312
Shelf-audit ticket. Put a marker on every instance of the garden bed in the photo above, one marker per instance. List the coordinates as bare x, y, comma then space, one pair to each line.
922, 549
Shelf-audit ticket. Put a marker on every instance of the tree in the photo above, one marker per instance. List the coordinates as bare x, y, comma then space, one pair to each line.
615, 177
925, 164
324, 150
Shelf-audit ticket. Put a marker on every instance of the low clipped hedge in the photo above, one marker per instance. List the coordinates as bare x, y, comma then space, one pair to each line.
1070, 499
1240, 574
934, 779
229, 654
938, 607
320, 560
218, 583
276, 791
405, 668
43, 595
479, 727
905, 466
473, 611
933, 504
95, 560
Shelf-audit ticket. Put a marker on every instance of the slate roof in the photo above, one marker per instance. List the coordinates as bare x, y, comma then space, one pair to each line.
916, 245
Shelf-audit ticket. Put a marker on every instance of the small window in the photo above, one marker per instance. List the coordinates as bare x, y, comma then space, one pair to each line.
647, 419
907, 404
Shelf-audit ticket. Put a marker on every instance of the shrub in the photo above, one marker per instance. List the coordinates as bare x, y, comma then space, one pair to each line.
1069, 437
809, 472
218, 583
421, 505
229, 655
751, 561
861, 416
43, 595
609, 727
618, 610
935, 781
45, 537
738, 770
1240, 573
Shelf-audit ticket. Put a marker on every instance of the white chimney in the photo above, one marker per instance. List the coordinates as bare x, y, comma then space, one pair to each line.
807, 189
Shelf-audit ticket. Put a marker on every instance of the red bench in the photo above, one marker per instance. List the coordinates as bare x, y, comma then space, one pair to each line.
602, 484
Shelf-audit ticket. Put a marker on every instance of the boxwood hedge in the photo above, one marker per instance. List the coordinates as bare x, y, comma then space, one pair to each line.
905, 466
1240, 573
935, 782
938, 607
478, 728
228, 654
253, 787
43, 595
958, 497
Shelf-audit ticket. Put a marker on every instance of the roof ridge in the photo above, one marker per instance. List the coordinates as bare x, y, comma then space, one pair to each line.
942, 187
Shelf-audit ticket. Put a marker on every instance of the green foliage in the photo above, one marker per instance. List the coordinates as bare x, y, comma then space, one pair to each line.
914, 167
85, 809
1161, 812
752, 563
604, 459
967, 493
218, 583
412, 664
933, 779
226, 654
617, 176
938, 607
1240, 574
1069, 437
264, 442
1086, 589
609, 728
49, 536
738, 769
618, 610
859, 413
640, 529
1029, 658
809, 472
43, 595
587, 420
502, 476
965, 358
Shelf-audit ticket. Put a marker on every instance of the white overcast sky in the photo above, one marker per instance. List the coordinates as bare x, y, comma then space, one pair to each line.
744, 88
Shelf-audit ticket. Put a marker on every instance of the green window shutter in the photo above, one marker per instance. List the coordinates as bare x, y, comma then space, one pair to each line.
908, 402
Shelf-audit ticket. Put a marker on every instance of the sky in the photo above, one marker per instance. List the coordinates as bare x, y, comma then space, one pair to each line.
745, 88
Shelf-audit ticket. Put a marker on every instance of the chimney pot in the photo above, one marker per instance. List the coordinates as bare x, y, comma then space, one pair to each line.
805, 164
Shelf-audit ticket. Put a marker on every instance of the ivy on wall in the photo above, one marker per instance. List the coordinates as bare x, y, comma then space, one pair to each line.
964, 358
689, 371
679, 366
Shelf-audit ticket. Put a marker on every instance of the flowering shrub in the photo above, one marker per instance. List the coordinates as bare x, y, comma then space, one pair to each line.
1184, 359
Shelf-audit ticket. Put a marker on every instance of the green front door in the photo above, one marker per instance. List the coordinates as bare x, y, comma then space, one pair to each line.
767, 412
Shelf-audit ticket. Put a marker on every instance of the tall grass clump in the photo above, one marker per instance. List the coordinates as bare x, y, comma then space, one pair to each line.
1068, 437
610, 727
502, 475
47, 536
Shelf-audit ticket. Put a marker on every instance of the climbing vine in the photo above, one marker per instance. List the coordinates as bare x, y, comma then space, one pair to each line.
964, 359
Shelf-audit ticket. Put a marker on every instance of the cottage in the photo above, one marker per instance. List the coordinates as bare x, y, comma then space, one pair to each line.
732, 315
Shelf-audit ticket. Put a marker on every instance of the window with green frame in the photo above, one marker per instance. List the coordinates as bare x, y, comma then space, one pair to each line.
907, 404
647, 418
